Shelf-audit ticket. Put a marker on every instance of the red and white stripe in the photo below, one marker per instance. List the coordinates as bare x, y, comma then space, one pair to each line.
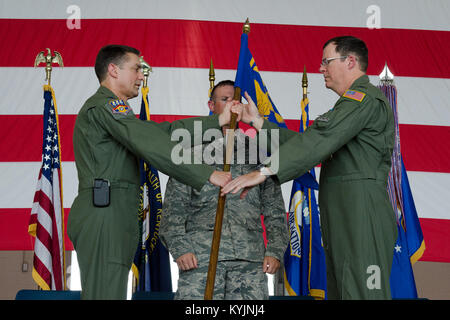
178, 39
46, 223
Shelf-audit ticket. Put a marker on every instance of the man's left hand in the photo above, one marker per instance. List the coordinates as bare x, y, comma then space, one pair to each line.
270, 265
244, 182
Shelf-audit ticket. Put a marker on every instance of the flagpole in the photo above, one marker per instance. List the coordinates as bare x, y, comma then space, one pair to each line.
61, 186
146, 69
48, 59
305, 125
305, 97
221, 202
305, 83
212, 78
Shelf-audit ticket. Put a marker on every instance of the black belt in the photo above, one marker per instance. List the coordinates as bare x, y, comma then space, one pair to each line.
113, 185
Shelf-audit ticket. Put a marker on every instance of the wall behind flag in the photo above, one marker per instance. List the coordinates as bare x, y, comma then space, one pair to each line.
178, 38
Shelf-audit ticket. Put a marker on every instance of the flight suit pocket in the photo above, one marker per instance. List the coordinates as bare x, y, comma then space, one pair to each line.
122, 222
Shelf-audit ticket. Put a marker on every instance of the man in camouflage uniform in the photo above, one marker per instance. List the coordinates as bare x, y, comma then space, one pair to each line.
188, 220
354, 143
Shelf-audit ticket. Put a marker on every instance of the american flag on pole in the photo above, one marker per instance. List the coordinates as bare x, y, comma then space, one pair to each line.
46, 220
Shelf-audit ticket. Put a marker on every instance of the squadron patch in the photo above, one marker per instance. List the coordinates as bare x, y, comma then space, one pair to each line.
355, 95
119, 107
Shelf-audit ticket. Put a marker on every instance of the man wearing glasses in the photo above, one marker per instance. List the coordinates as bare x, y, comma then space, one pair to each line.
354, 143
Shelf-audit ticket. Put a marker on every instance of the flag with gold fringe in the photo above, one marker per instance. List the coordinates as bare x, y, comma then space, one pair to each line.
47, 216
304, 259
305, 264
151, 265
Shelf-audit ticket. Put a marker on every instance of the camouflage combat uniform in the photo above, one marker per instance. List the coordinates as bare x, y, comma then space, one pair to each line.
187, 225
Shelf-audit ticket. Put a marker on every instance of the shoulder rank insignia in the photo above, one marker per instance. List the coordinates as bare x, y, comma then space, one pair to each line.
355, 95
119, 107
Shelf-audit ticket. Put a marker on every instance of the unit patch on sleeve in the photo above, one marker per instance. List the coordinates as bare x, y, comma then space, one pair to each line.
119, 107
355, 95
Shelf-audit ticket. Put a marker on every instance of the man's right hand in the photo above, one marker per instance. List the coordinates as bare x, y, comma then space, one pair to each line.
230, 107
220, 178
244, 182
250, 113
187, 261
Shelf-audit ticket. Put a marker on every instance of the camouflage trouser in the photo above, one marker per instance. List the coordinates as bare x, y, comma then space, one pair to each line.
235, 280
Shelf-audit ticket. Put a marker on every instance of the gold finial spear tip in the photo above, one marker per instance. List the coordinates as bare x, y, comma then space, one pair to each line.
212, 78
304, 78
305, 83
246, 27
211, 71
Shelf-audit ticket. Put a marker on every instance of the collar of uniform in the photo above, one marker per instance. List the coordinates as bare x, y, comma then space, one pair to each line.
110, 96
107, 93
363, 80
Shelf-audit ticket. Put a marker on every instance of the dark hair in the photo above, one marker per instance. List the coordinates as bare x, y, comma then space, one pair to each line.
350, 45
113, 53
221, 84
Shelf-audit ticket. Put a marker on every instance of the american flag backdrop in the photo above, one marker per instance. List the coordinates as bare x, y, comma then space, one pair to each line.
46, 220
178, 39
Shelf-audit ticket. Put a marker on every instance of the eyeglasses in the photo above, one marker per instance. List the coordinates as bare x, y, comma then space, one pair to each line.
326, 61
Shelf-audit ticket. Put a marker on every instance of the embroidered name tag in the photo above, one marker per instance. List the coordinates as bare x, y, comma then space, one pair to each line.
322, 118
119, 107
355, 95
325, 116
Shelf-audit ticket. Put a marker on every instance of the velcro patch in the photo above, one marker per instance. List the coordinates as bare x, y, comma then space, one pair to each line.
355, 95
119, 107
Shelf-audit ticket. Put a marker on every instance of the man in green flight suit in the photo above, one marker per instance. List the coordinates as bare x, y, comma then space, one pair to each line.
354, 143
108, 140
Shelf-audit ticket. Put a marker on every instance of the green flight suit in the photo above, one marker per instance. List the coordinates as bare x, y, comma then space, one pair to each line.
108, 141
354, 143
